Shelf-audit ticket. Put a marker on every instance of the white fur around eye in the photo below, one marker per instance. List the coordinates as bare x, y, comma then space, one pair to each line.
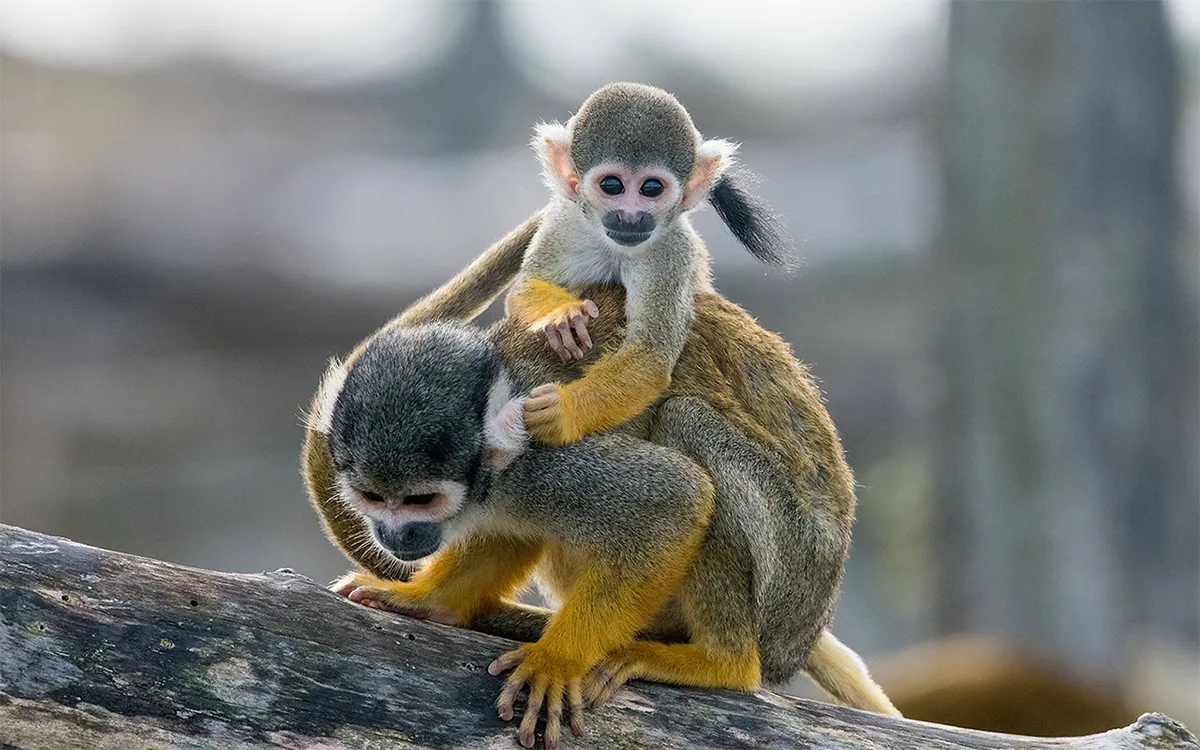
321, 418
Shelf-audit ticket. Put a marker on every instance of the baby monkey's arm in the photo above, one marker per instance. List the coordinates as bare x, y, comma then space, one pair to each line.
624, 383
554, 312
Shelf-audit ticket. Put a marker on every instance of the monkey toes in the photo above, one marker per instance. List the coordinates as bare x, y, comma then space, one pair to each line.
566, 324
550, 683
607, 678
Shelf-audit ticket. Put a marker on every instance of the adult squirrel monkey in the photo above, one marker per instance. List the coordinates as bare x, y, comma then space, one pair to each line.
700, 543
624, 173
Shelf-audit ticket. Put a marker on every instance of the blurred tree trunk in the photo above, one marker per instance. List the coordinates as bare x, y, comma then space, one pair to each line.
1066, 437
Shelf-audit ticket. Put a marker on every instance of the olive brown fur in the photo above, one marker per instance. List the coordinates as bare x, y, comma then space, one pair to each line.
741, 424
624, 173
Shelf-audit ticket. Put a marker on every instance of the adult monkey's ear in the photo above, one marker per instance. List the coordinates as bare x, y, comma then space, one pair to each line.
713, 158
320, 419
552, 142
504, 435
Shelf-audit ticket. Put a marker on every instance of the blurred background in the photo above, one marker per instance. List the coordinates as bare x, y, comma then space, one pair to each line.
996, 204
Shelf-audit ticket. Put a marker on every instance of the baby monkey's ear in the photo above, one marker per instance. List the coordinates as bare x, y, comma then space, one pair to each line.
504, 435
713, 158
320, 418
552, 142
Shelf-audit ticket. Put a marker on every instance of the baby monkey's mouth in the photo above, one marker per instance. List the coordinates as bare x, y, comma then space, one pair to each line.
423, 499
628, 239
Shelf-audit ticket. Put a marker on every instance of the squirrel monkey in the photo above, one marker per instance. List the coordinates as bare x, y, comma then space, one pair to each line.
624, 173
701, 543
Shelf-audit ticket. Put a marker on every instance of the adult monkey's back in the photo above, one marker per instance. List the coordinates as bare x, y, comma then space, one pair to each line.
765, 584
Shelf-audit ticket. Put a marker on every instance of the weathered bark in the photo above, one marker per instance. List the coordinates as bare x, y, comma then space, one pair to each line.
101, 649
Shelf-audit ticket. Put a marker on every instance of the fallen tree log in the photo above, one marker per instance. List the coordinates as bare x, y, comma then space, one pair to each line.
101, 649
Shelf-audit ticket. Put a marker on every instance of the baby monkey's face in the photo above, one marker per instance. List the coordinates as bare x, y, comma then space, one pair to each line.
630, 204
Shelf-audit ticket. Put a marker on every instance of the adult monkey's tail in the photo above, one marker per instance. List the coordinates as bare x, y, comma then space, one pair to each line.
475, 287
841, 673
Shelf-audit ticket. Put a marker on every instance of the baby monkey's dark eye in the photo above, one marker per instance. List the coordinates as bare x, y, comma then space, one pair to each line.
612, 185
652, 188
371, 497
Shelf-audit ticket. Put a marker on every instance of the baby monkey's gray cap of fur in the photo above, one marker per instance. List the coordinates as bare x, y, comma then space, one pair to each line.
642, 124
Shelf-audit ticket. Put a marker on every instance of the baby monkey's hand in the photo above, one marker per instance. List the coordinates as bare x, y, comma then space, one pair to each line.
566, 324
549, 417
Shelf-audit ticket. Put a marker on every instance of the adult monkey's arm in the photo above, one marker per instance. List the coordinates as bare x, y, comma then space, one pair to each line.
475, 287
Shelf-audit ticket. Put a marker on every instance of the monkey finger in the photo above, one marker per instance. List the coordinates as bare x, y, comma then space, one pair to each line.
554, 708
508, 695
506, 661
622, 676
540, 404
568, 340
542, 411
533, 708
541, 419
579, 323
544, 389
413, 611
590, 308
596, 682
575, 696
556, 343
362, 594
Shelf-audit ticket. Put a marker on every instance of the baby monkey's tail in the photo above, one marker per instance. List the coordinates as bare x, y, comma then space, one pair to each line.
841, 673
756, 225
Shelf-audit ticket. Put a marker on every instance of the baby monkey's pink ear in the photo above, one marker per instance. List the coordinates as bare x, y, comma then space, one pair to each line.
552, 142
713, 157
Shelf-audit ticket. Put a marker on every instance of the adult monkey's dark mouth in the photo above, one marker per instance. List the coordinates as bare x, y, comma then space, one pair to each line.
412, 555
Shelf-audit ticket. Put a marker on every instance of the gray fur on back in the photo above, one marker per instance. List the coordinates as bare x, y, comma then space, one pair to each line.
787, 603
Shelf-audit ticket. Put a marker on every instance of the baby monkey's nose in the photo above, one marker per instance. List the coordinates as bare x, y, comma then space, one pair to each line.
620, 221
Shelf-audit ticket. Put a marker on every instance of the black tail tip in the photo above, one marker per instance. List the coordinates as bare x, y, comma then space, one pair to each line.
755, 224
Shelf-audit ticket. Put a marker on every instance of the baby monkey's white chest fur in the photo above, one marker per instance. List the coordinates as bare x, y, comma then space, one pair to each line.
573, 253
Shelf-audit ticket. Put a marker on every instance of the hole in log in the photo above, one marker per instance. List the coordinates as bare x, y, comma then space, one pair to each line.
410, 636
66, 597
194, 603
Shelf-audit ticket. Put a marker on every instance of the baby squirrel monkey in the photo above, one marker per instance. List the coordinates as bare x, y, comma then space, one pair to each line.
701, 543
624, 173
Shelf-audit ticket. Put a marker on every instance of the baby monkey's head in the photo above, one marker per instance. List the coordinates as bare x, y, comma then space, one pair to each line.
632, 162
407, 423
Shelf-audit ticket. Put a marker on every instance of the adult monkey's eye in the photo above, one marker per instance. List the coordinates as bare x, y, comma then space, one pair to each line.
652, 188
371, 497
612, 185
